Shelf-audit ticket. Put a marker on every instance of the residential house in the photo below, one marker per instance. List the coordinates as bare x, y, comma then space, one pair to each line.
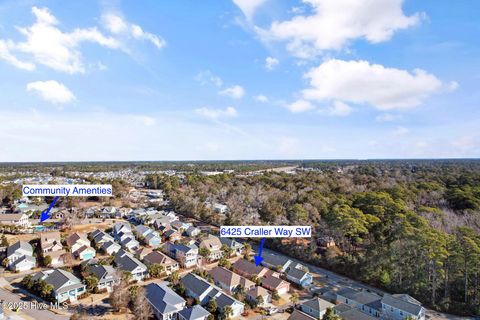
220, 208
194, 313
50, 241
157, 257
125, 261
172, 235
186, 255
80, 246
107, 276
100, 237
229, 280
299, 275
142, 230
401, 306
276, 262
233, 244
130, 243
192, 231
255, 292
198, 288
273, 283
20, 256
65, 285
153, 239
16, 219
248, 269
110, 247
367, 302
165, 303
142, 252
214, 246
316, 307
59, 258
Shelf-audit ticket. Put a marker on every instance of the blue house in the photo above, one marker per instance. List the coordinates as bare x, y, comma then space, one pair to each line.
299, 275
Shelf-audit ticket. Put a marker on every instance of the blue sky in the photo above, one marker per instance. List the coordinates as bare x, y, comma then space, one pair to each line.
243, 79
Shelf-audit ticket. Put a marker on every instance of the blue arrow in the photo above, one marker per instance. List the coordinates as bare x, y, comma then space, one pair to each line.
46, 214
258, 258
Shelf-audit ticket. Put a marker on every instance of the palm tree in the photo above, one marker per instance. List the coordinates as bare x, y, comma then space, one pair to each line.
227, 312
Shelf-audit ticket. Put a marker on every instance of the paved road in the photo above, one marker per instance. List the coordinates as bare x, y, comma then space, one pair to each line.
334, 280
9, 297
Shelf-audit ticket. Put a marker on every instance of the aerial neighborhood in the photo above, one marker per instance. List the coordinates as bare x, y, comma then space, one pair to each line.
145, 260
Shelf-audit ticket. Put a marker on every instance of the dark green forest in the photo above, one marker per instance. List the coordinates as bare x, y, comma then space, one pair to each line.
405, 226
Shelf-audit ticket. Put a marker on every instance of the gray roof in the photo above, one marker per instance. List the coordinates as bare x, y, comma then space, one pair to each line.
299, 315
355, 314
231, 243
162, 298
19, 245
224, 300
195, 312
403, 302
296, 273
142, 229
275, 259
59, 278
127, 262
318, 304
182, 247
362, 297
195, 284
103, 273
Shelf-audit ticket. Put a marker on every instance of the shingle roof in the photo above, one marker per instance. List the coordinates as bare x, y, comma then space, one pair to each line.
355, 314
275, 259
19, 245
362, 297
318, 304
195, 312
162, 298
299, 315
195, 284
127, 262
403, 302
104, 272
231, 243
158, 257
296, 273
229, 278
247, 267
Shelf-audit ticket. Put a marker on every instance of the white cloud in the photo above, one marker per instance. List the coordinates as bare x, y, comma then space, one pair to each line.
248, 7
206, 76
10, 58
271, 63
339, 109
362, 82
261, 98
235, 92
400, 131
51, 91
146, 120
453, 85
386, 117
118, 26
57, 49
300, 106
211, 113
334, 24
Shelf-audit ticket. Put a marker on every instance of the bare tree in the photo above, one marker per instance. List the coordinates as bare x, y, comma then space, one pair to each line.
141, 307
119, 297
